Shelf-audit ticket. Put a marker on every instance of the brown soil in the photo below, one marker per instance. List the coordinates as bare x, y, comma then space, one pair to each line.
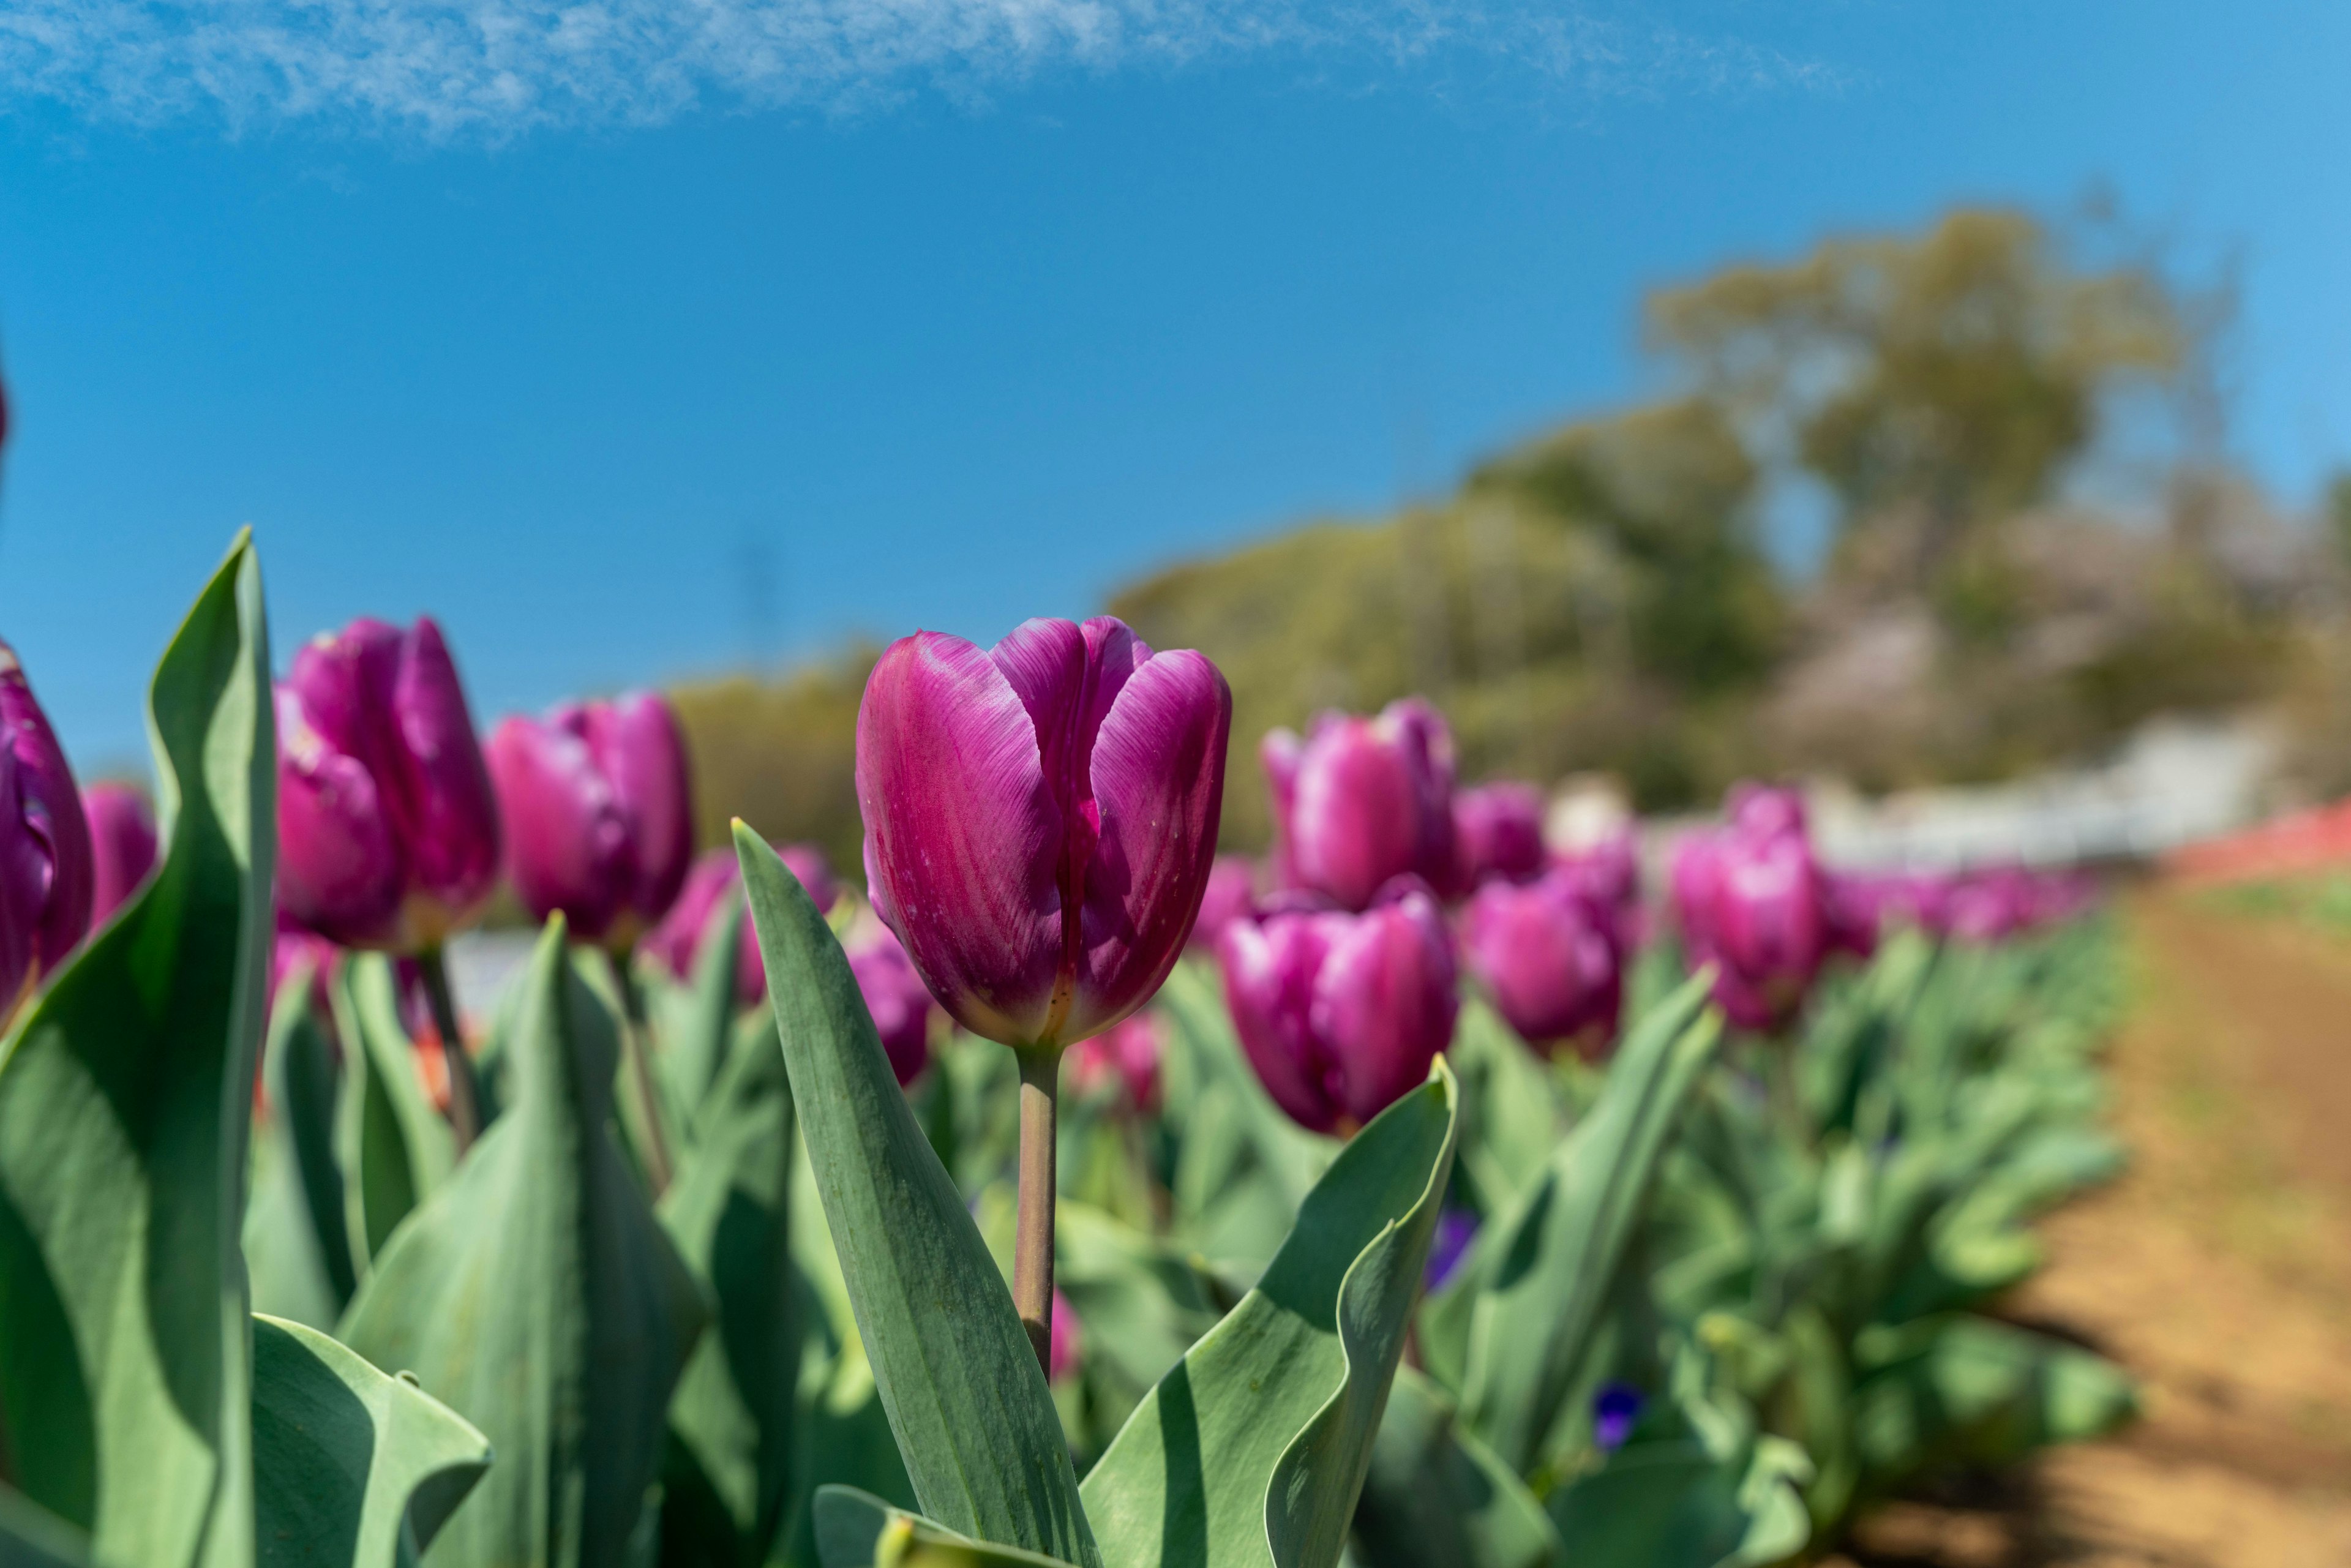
2218, 1269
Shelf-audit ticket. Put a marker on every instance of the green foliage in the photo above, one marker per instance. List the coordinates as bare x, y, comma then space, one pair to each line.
782, 757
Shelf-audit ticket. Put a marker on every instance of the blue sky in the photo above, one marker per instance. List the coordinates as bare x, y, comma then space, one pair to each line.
552, 316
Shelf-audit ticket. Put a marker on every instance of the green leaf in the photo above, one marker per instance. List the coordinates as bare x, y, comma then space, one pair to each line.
1438, 1498
535, 1293
729, 1213
1511, 1115
32, 1537
351, 1466
394, 1149
1253, 1448
126, 1096
696, 1021
1540, 1271
1674, 1505
297, 1245
974, 1422
1965, 1389
856, 1530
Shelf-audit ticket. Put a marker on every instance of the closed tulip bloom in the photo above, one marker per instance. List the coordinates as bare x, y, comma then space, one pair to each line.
387, 829
1764, 809
599, 814
1751, 904
295, 947
895, 996
122, 844
1231, 895
1550, 960
1341, 1014
1068, 1346
45, 870
1360, 800
1123, 1059
1497, 831
1041, 819
715, 876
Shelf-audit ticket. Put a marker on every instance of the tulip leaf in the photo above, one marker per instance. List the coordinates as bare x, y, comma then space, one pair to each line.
857, 1529
697, 1020
1510, 1114
535, 1293
1540, 1271
126, 1098
393, 1146
1438, 1498
1676, 1505
974, 1422
1961, 1389
729, 1213
32, 1537
1253, 1448
297, 1239
349, 1466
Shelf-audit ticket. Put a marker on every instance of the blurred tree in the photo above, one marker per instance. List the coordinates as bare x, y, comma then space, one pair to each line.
782, 756
1937, 383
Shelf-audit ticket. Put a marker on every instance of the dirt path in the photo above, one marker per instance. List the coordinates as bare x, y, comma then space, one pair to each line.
2218, 1269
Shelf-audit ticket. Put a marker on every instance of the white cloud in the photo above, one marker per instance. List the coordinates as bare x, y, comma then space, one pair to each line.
459, 67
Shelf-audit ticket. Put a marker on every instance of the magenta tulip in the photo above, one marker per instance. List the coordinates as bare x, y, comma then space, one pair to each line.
1497, 831
1041, 819
1360, 800
122, 844
895, 996
1763, 810
1751, 902
1067, 1345
716, 874
1124, 1060
45, 862
387, 829
1549, 958
1231, 895
296, 947
1341, 1014
599, 814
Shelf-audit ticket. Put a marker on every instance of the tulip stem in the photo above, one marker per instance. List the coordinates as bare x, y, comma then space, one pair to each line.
635, 1044
1032, 1254
465, 1093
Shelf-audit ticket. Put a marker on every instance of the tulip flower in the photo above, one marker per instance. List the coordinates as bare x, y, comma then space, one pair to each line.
1041, 819
895, 996
1762, 810
1751, 904
1231, 895
1456, 1229
45, 870
1497, 832
1360, 800
1342, 1014
122, 844
387, 830
1061, 1360
1615, 1410
1607, 876
1549, 959
716, 875
599, 814
1124, 1059
296, 947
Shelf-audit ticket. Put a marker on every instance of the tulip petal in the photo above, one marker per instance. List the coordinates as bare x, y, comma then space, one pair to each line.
1386, 999
1270, 973
443, 801
566, 838
963, 834
49, 805
1158, 787
339, 870
642, 753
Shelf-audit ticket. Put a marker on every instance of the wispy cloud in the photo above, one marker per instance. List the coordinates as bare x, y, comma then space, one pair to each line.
459, 67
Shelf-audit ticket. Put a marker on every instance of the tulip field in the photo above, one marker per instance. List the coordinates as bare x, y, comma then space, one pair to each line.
1049, 1188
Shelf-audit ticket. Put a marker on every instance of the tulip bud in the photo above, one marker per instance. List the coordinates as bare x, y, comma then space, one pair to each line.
45, 870
599, 814
122, 844
295, 947
1550, 960
387, 830
895, 996
1066, 1346
715, 876
1341, 1014
1231, 895
1749, 902
1497, 832
1360, 800
1123, 1059
1765, 810
1041, 819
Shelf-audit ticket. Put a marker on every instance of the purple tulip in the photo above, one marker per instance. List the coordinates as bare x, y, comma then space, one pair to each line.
1607, 876
1989, 905
599, 814
1497, 832
1456, 1229
1751, 901
1550, 960
1231, 895
1067, 1345
46, 863
895, 996
1124, 1059
1041, 819
1341, 1014
716, 874
122, 844
387, 829
1360, 800
1766, 811
296, 945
